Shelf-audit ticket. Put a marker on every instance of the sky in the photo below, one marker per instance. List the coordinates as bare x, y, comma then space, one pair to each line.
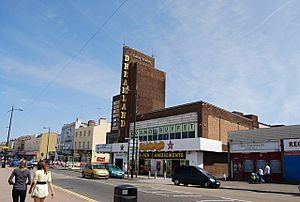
60, 60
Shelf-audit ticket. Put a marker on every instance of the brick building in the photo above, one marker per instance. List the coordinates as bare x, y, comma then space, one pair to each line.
189, 134
142, 90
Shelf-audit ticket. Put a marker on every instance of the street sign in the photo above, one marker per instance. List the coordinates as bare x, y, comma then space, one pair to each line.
5, 147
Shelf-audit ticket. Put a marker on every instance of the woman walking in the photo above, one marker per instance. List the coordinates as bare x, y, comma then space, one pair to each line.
41, 182
22, 179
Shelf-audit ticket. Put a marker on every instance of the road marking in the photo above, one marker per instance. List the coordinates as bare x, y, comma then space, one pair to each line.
76, 194
222, 200
186, 196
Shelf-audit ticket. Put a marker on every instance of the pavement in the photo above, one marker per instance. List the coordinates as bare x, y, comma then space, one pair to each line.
60, 194
275, 188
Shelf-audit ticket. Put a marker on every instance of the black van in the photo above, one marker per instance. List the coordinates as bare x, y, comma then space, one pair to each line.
193, 175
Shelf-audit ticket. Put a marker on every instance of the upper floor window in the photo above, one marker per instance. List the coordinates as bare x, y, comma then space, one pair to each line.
84, 132
80, 133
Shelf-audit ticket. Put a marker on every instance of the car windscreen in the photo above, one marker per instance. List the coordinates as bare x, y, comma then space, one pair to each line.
205, 173
98, 166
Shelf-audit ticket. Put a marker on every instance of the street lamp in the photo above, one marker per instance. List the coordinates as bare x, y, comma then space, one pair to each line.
49, 130
133, 163
8, 133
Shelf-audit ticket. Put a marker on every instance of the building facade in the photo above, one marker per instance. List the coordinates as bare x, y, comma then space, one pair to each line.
277, 146
190, 134
86, 138
66, 144
142, 90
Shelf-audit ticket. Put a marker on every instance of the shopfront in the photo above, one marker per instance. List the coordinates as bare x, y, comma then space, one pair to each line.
246, 158
291, 160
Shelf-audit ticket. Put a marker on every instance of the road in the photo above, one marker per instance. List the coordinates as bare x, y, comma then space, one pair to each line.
150, 190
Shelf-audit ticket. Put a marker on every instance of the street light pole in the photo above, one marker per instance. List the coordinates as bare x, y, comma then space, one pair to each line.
47, 149
8, 134
133, 164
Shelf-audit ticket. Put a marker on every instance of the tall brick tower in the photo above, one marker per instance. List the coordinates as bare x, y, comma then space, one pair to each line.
142, 90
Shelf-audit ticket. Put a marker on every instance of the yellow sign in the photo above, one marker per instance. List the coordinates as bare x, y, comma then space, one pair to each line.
5, 147
152, 146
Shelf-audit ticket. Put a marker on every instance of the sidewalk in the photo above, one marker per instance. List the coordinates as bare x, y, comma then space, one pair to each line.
60, 194
237, 185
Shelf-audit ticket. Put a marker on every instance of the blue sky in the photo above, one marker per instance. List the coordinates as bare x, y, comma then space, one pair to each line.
238, 55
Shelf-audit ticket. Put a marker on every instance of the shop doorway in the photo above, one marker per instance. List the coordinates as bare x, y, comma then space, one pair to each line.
119, 163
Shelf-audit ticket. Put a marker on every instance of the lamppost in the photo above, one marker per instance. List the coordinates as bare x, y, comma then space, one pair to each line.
47, 149
8, 133
133, 163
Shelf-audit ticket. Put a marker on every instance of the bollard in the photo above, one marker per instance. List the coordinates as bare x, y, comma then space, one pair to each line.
155, 175
165, 175
149, 174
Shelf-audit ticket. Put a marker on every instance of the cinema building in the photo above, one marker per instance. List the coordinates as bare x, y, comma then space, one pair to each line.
277, 146
189, 134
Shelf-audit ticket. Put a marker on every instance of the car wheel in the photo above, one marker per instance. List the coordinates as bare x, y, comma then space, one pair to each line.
206, 184
176, 182
92, 176
186, 185
82, 175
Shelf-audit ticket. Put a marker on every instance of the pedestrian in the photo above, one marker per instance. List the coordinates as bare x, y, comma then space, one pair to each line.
22, 178
260, 175
267, 172
41, 183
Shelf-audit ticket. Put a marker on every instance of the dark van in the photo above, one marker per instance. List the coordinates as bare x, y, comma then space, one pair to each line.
193, 175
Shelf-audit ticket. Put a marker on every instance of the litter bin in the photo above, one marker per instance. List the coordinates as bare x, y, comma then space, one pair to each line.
125, 193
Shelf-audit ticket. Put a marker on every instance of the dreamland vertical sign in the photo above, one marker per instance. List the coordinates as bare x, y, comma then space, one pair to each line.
124, 113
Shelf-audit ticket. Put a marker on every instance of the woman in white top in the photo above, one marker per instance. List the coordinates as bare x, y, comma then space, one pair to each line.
41, 182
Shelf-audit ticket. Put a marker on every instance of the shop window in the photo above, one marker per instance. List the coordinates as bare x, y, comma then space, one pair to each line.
160, 136
141, 138
275, 166
192, 134
150, 137
260, 164
184, 135
166, 136
177, 135
172, 135
154, 137
144, 138
248, 166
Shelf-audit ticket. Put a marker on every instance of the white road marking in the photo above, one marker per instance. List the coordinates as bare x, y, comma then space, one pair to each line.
187, 196
76, 194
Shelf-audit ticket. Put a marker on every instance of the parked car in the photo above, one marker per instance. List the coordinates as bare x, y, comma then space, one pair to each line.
31, 164
114, 171
15, 163
193, 175
95, 171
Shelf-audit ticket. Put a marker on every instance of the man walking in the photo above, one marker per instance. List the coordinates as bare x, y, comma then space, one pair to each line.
267, 172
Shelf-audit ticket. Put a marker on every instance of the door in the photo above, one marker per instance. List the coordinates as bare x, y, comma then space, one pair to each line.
119, 163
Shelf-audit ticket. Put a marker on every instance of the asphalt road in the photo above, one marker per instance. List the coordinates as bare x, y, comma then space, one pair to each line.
158, 190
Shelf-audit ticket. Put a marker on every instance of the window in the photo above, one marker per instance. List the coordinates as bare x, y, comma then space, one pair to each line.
76, 134
79, 145
75, 145
84, 133
80, 133
89, 133
248, 166
88, 145
177, 135
83, 145
275, 166
184, 135
192, 134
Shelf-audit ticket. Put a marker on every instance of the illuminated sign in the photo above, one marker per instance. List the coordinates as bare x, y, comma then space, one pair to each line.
162, 155
124, 92
152, 146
